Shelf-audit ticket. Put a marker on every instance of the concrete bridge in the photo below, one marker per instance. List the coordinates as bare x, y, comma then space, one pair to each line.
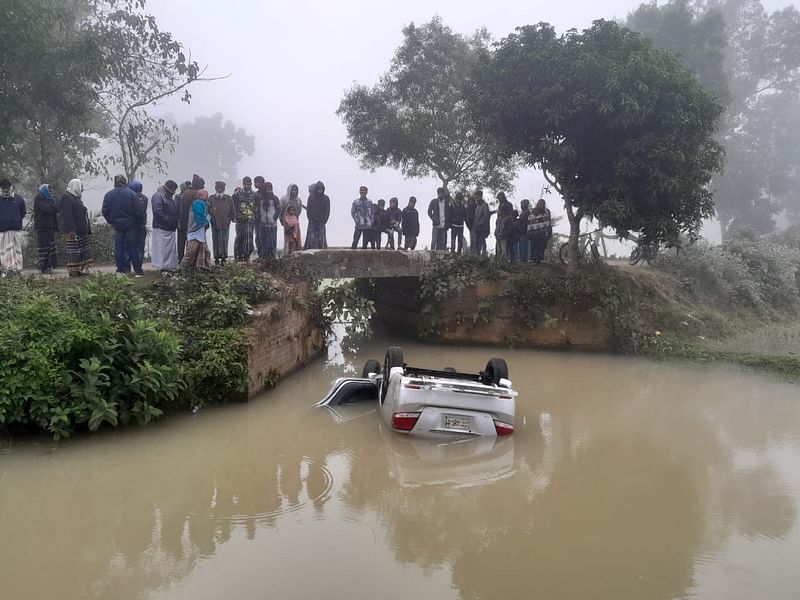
338, 263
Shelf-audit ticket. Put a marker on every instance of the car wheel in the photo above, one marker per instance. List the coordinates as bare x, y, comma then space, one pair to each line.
449, 370
393, 358
371, 366
496, 369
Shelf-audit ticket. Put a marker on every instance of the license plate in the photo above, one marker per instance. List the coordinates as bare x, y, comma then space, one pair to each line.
457, 422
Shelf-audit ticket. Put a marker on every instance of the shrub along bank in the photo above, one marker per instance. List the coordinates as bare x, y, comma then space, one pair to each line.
103, 352
694, 304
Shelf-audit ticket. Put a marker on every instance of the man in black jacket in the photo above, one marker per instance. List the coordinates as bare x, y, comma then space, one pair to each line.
410, 224
318, 212
439, 213
122, 210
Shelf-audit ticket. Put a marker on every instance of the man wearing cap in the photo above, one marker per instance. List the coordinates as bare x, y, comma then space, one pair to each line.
362, 212
164, 249
121, 209
12, 211
185, 201
244, 208
221, 210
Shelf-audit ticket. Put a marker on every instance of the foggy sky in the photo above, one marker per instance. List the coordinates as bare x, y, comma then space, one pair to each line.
290, 63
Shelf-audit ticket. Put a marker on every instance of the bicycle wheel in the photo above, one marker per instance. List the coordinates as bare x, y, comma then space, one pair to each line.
563, 254
636, 256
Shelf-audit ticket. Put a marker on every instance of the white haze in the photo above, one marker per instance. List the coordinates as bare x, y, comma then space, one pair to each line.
290, 63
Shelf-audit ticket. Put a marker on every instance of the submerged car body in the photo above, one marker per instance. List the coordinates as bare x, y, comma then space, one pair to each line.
431, 403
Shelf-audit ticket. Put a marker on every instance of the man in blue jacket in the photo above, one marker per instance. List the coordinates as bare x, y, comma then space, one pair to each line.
123, 211
164, 247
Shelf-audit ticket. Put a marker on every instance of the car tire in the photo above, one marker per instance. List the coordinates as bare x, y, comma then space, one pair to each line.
371, 366
496, 369
393, 358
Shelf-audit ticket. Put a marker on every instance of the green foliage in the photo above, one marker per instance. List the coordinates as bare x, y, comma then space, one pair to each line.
102, 353
623, 130
416, 118
82, 356
349, 303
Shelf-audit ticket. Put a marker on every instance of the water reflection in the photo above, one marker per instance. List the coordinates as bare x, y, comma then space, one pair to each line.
623, 480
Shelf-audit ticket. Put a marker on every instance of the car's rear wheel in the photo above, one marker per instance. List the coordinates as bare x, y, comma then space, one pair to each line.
393, 358
371, 366
496, 369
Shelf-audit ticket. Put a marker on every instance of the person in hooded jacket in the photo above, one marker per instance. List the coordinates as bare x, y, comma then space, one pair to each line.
45, 224
164, 249
12, 212
122, 210
318, 210
410, 224
393, 219
77, 230
141, 229
292, 198
268, 216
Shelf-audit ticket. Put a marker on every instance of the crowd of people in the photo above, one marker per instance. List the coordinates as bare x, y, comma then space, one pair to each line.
183, 216
521, 235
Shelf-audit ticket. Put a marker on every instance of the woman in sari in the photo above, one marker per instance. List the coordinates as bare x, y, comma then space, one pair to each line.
77, 231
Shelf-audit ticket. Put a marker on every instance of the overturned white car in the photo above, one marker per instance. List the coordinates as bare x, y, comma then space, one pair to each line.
431, 403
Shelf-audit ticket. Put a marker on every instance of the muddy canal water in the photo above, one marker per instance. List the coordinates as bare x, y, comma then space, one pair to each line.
624, 480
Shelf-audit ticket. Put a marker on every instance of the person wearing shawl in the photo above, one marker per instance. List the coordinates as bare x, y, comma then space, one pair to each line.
244, 204
540, 230
197, 255
122, 210
291, 230
77, 231
268, 212
220, 207
318, 211
164, 249
45, 224
292, 198
12, 211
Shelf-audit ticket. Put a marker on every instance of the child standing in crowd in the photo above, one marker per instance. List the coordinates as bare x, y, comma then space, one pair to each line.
291, 229
197, 255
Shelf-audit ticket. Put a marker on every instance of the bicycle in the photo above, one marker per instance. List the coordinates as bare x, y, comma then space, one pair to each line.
643, 252
587, 249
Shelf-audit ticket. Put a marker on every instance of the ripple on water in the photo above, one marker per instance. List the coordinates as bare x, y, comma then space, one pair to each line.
317, 483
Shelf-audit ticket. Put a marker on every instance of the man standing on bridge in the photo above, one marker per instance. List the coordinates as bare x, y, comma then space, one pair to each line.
410, 224
244, 203
439, 213
362, 212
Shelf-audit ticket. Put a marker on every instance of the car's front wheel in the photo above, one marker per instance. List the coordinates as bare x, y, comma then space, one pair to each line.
371, 366
496, 369
393, 358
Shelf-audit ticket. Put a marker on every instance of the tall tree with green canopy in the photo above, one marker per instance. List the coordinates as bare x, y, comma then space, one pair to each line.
416, 118
50, 70
622, 130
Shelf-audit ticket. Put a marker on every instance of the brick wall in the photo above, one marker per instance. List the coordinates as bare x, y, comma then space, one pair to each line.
281, 338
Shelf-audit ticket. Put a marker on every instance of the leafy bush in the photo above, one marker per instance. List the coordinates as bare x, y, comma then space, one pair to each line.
83, 356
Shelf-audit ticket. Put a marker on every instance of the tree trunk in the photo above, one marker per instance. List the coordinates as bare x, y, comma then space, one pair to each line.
574, 231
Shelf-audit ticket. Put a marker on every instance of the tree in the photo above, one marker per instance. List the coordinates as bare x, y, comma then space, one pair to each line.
416, 119
145, 66
48, 113
211, 147
762, 66
622, 130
